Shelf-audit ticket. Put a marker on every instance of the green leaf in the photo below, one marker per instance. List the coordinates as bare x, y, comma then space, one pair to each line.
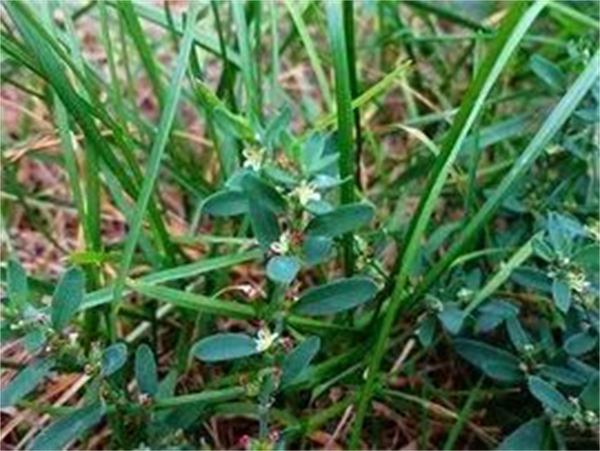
17, 289
283, 269
225, 346
341, 220
553, 123
59, 434
159, 145
451, 318
316, 249
494, 362
548, 72
261, 191
336, 296
113, 359
562, 295
226, 203
263, 204
299, 359
549, 396
264, 224
25, 382
145, 370
563, 375
590, 396
67, 298
580, 343
426, 331
517, 334
587, 257
528, 436
340, 51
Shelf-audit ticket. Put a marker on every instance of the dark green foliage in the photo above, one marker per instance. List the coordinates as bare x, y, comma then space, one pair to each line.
297, 225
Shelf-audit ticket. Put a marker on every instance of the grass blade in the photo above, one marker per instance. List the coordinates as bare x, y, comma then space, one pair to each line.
337, 39
158, 147
311, 52
247, 60
563, 110
512, 31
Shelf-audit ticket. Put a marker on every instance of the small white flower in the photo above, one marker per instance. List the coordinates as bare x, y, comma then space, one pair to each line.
577, 282
282, 246
305, 192
254, 157
73, 336
265, 339
464, 293
593, 230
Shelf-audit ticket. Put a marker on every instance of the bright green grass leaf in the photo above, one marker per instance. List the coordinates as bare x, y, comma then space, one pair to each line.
299, 359
341, 220
226, 203
311, 51
145, 370
71, 427
549, 396
113, 359
528, 436
25, 382
214, 306
283, 269
226, 346
336, 296
67, 298
554, 122
158, 147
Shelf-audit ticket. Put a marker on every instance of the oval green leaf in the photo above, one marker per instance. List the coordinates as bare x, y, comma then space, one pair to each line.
67, 298
549, 396
526, 437
226, 346
283, 269
25, 382
261, 191
113, 359
341, 220
590, 396
494, 362
299, 359
579, 344
59, 434
145, 370
336, 296
226, 203
562, 295
17, 285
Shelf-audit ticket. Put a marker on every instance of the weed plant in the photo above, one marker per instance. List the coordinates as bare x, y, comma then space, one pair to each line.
300, 225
